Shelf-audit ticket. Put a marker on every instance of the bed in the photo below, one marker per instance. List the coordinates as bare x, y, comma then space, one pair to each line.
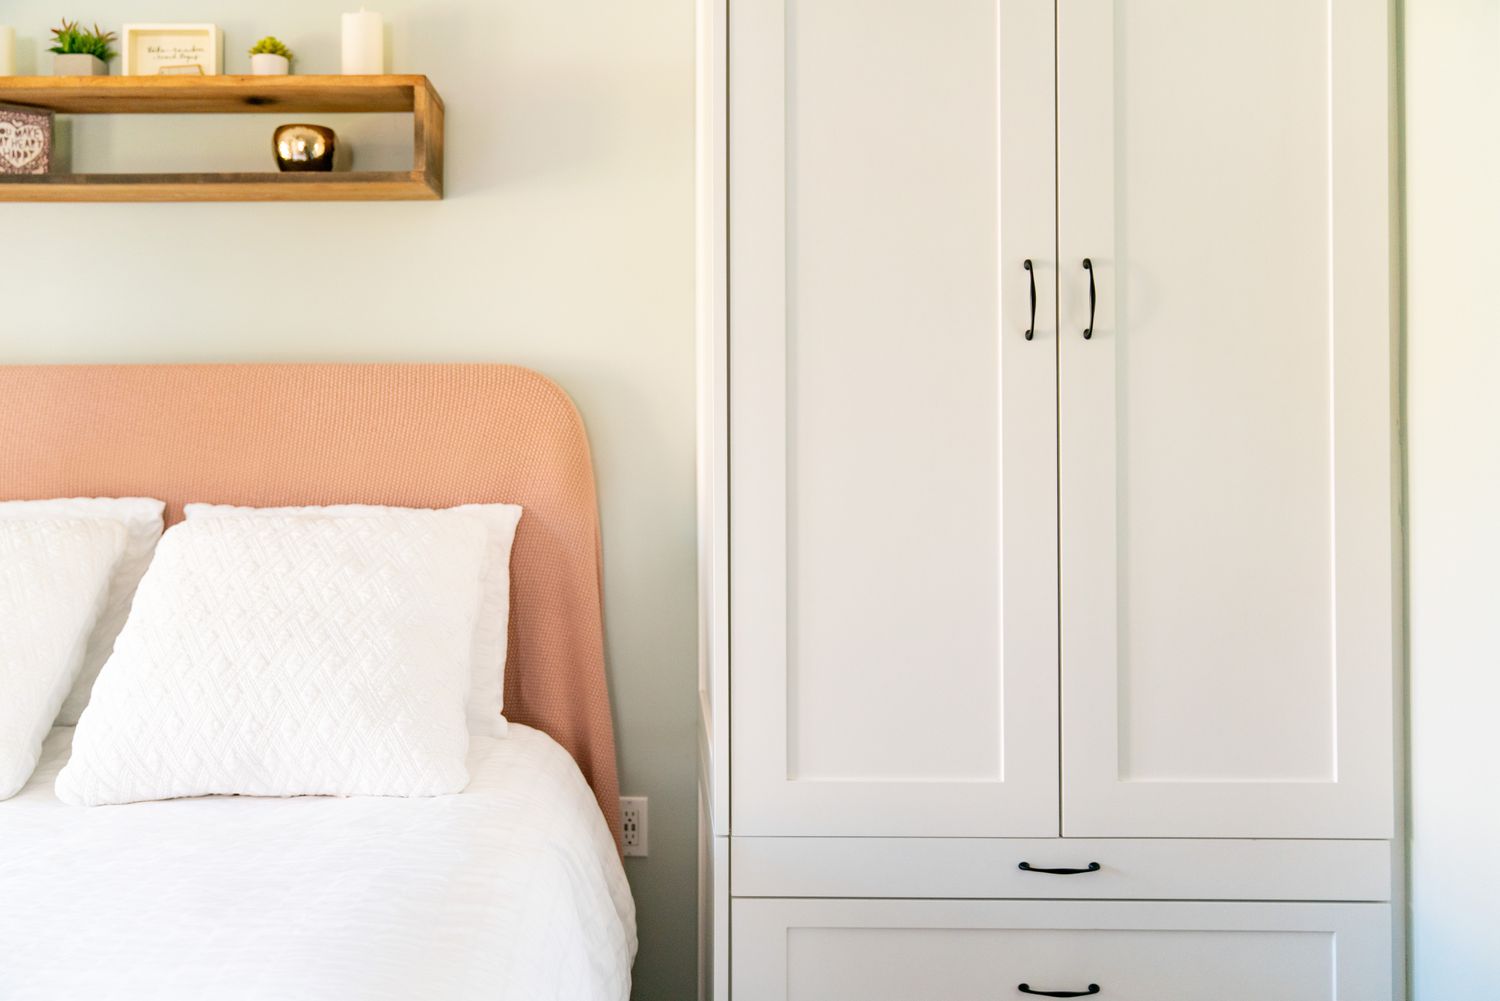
512, 889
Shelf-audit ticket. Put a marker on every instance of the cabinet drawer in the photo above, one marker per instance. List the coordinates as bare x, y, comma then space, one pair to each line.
933, 950
988, 868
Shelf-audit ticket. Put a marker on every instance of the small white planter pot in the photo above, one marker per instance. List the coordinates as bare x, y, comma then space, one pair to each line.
77, 64
268, 64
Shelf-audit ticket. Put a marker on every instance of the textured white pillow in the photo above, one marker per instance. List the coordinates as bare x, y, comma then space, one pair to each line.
54, 573
142, 518
286, 656
486, 703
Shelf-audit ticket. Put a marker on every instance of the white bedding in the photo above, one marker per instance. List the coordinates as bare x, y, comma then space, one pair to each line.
510, 891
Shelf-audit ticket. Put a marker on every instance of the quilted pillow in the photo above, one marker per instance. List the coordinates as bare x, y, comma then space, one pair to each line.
54, 574
142, 518
286, 656
486, 703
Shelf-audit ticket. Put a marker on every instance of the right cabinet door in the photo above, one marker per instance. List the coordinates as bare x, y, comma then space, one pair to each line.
1225, 418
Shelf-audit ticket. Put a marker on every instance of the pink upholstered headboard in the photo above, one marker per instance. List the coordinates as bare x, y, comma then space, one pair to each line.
404, 435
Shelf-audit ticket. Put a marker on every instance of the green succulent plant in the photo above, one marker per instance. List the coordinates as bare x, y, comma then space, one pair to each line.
270, 46
71, 40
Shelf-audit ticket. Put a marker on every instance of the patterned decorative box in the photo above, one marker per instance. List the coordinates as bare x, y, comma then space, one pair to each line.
25, 140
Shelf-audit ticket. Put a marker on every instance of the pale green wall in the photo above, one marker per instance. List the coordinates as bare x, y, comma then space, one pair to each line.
565, 245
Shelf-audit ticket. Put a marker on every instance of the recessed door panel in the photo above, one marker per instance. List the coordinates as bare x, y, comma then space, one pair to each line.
1225, 444
892, 452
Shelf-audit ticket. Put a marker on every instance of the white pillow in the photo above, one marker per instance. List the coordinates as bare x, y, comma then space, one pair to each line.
289, 656
142, 518
54, 573
486, 703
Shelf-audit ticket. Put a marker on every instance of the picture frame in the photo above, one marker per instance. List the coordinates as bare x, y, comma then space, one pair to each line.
26, 140
172, 49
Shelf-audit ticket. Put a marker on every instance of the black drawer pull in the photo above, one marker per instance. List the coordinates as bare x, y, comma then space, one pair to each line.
1028, 867
1026, 989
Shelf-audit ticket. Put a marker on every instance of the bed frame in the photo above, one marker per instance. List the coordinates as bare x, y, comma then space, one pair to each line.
404, 435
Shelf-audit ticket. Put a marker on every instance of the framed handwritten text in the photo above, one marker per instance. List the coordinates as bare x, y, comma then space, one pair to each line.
173, 49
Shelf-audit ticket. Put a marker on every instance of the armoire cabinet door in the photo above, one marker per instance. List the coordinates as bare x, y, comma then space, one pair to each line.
892, 443
1225, 432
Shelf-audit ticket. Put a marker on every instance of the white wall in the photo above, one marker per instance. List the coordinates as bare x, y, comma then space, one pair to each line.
565, 245
1453, 410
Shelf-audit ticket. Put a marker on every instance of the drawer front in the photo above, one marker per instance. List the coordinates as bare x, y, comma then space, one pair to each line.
1128, 869
877, 950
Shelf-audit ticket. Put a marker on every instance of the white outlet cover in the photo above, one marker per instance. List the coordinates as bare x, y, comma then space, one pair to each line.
633, 821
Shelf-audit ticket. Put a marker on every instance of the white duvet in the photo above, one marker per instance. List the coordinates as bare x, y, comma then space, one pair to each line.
510, 891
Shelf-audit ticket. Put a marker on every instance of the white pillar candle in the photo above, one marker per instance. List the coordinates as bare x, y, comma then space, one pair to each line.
364, 43
7, 51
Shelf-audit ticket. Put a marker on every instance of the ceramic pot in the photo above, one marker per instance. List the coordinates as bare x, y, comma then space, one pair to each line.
269, 64
77, 64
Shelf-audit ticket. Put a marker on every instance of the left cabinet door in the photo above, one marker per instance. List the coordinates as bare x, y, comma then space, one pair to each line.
893, 582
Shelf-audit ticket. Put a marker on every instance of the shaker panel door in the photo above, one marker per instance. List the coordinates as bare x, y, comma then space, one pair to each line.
1226, 472
892, 424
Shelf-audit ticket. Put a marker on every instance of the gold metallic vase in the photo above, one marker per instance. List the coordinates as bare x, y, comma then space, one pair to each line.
305, 148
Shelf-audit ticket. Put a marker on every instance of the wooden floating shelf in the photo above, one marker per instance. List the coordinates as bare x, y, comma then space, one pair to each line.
353, 186
218, 95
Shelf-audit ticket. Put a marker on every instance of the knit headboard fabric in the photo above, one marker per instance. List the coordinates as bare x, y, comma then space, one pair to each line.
428, 436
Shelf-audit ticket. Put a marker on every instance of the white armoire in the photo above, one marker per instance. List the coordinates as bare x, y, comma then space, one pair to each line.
1048, 500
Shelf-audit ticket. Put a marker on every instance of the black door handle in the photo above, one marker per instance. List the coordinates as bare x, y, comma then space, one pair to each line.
1026, 989
1031, 272
1088, 265
1028, 867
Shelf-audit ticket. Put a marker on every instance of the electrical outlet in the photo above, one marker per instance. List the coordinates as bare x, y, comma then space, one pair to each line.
633, 821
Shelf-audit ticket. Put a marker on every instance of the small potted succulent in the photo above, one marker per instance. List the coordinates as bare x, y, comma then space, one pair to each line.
80, 52
270, 58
